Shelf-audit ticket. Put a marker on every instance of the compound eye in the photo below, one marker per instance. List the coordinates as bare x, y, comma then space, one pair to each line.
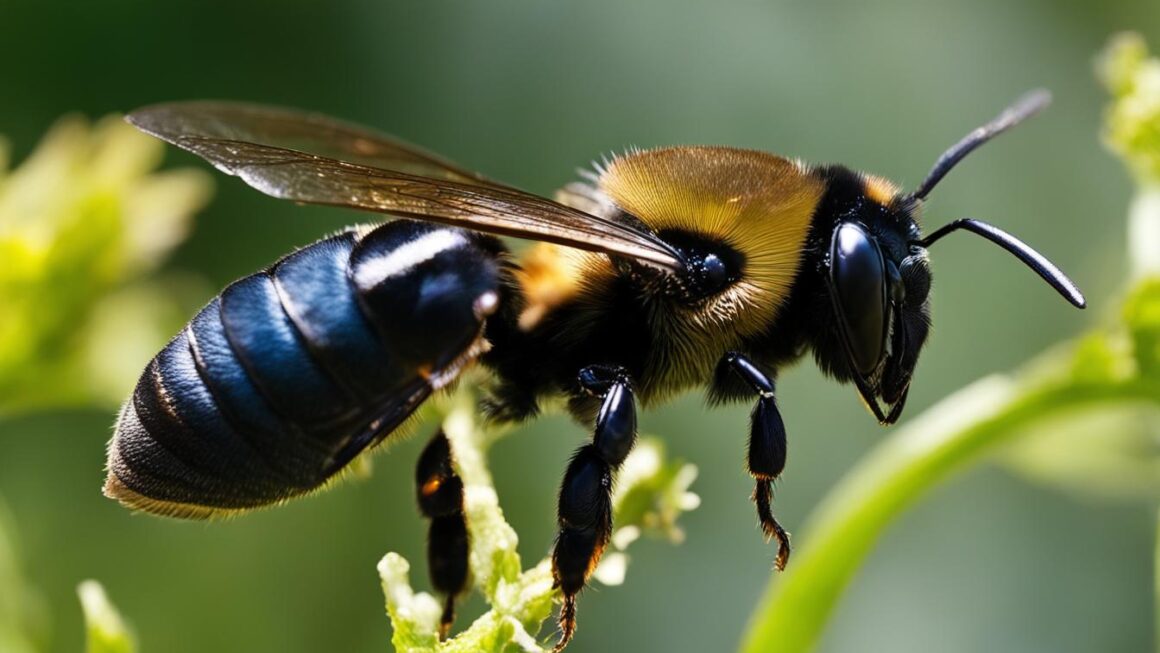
859, 280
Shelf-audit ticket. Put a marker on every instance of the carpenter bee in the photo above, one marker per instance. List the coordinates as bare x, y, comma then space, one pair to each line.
661, 271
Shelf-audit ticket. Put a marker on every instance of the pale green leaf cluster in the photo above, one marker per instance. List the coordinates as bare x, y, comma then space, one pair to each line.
1085, 416
81, 218
1132, 130
1132, 123
651, 494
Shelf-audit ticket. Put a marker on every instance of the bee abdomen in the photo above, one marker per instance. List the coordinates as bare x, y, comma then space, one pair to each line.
254, 400
321, 301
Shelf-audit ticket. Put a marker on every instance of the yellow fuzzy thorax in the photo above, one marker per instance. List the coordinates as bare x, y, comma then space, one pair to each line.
758, 203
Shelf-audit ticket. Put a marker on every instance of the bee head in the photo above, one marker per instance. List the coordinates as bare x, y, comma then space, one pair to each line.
877, 275
877, 280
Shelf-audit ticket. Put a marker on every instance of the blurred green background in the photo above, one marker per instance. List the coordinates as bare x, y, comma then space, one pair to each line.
526, 92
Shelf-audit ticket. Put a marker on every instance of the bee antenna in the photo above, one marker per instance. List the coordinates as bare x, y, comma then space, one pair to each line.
1022, 251
1023, 108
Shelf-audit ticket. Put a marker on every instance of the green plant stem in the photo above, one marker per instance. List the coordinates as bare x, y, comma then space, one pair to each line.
1156, 571
651, 494
946, 439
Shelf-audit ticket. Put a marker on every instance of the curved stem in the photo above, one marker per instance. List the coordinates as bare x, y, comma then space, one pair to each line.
946, 439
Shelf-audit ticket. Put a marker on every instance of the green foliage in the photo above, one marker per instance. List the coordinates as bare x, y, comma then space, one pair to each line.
651, 493
948, 438
1132, 123
1085, 416
21, 609
80, 219
84, 216
105, 632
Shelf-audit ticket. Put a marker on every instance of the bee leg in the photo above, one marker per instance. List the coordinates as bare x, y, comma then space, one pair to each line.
585, 505
440, 493
767, 450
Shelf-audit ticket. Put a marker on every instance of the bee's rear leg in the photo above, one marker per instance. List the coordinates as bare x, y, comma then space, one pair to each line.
585, 507
440, 493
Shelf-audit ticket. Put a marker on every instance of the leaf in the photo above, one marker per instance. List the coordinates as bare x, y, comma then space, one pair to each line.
81, 218
105, 632
946, 439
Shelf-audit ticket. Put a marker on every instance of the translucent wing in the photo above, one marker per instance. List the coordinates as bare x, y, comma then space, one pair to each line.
295, 130
318, 160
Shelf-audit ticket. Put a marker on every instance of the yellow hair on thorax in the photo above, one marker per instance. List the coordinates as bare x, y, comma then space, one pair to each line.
758, 203
549, 275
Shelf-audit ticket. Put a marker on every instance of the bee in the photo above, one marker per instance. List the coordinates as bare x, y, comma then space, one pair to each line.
661, 271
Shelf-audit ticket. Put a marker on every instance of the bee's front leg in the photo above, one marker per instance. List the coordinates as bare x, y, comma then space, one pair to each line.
585, 507
767, 449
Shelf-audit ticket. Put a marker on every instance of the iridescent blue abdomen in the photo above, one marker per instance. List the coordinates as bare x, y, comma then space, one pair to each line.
290, 372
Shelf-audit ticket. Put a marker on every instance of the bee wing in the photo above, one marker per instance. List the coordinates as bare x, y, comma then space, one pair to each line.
295, 130
314, 159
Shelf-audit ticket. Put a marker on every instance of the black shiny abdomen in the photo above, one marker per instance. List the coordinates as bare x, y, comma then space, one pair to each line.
256, 398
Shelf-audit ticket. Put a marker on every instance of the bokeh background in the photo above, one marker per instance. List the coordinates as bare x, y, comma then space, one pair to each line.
527, 92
